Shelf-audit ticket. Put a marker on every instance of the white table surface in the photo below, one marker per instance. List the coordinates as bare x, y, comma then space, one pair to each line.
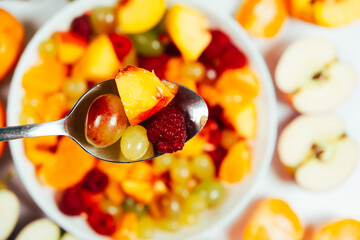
313, 208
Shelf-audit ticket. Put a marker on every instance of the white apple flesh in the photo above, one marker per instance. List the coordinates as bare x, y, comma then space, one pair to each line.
41, 229
9, 212
318, 151
309, 72
68, 236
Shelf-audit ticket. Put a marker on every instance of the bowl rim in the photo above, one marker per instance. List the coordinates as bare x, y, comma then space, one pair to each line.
267, 85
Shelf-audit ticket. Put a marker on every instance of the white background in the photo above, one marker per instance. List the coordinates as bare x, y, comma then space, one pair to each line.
313, 208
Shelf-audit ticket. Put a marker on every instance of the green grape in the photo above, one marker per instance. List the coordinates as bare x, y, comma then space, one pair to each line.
180, 170
194, 70
203, 167
169, 225
180, 190
147, 44
188, 218
102, 20
48, 48
195, 204
146, 227
130, 205
110, 208
149, 152
162, 164
212, 191
170, 206
134, 142
74, 87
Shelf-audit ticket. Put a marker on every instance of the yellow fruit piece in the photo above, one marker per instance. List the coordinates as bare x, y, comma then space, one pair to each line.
137, 16
139, 190
210, 94
114, 193
70, 47
189, 30
56, 107
273, 219
243, 117
99, 62
302, 9
39, 149
140, 171
262, 18
142, 93
193, 147
348, 229
174, 73
46, 76
116, 172
126, 228
69, 167
236, 164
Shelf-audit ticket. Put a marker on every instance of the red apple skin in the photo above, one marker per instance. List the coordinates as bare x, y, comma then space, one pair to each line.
105, 121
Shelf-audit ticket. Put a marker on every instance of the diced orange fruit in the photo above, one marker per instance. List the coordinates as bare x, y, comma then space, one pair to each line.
242, 81
348, 229
174, 72
116, 172
126, 229
46, 76
194, 147
114, 193
243, 117
140, 171
11, 41
302, 9
137, 16
139, 190
33, 102
210, 94
70, 46
56, 106
99, 62
236, 164
2, 124
273, 219
142, 93
189, 30
39, 149
262, 18
69, 167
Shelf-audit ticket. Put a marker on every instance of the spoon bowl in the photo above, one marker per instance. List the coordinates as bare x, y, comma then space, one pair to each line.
73, 125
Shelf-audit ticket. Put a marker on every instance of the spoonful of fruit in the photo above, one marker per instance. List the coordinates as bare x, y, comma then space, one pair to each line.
134, 117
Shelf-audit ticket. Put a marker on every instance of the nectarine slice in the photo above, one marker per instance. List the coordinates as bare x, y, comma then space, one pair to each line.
70, 46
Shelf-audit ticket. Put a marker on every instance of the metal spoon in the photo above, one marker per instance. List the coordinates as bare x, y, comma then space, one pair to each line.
73, 125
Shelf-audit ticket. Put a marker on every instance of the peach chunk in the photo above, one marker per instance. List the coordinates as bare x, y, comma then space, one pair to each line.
189, 30
141, 191
56, 107
273, 219
99, 62
39, 149
137, 16
126, 228
348, 229
142, 93
70, 46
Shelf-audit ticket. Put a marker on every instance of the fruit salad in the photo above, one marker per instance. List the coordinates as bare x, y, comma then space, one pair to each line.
126, 201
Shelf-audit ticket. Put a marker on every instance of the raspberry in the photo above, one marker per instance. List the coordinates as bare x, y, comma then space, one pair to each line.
172, 50
102, 223
211, 132
158, 64
95, 181
81, 26
122, 45
217, 45
231, 58
167, 130
217, 156
71, 202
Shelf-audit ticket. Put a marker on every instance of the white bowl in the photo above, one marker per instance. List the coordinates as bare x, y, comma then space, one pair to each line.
238, 196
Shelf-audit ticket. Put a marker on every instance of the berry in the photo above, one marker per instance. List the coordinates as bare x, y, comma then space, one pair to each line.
211, 132
172, 50
167, 130
71, 202
217, 45
156, 64
102, 223
232, 58
122, 45
81, 26
217, 156
95, 181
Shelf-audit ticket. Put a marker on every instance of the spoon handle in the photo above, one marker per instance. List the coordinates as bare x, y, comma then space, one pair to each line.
33, 130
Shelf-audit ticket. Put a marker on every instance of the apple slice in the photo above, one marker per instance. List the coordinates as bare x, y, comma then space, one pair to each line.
9, 212
311, 76
39, 229
318, 151
68, 236
142, 93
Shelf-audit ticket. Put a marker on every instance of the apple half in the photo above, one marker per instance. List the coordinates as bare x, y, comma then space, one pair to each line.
312, 78
317, 150
9, 212
40, 229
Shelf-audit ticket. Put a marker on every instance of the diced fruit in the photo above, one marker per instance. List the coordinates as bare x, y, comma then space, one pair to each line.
169, 225
111, 208
210, 94
130, 205
317, 149
170, 206
180, 170
137, 16
262, 18
9, 212
344, 229
102, 19
195, 146
195, 204
70, 46
146, 227
189, 30
40, 229
37, 80
72, 202
102, 223
231, 58
114, 193
39, 149
105, 121
99, 62
47, 48
127, 227
134, 142
11, 41
219, 42
194, 70
212, 191
95, 181
162, 163
203, 167
301, 9
116, 172
141, 171
57, 173
156, 64
81, 26
74, 88
228, 138
139, 190
167, 130
142, 93
273, 219
148, 44
122, 45
56, 106
236, 164
309, 73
